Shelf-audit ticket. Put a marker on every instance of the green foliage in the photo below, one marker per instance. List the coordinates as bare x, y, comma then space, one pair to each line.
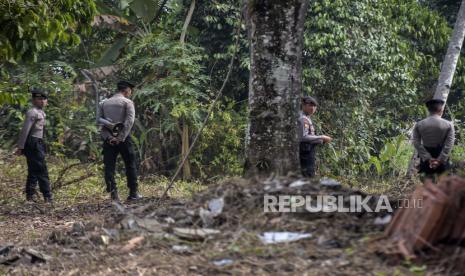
173, 77
70, 129
221, 146
174, 87
29, 27
392, 160
371, 64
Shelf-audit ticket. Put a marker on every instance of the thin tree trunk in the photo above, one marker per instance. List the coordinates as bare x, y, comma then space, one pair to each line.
187, 21
452, 56
186, 169
276, 42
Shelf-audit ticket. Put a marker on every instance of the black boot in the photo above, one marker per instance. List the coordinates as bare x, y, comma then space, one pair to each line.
29, 197
134, 195
48, 199
114, 195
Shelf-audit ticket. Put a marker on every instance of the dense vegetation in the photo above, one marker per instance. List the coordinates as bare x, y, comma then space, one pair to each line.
370, 63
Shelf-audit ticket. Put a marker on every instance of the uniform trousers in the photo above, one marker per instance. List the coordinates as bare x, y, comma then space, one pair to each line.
110, 154
37, 171
307, 153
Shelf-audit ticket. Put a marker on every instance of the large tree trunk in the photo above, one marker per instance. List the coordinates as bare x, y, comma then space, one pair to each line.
452, 56
276, 41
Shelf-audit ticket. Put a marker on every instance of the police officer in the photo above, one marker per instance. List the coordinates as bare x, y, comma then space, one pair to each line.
119, 109
308, 139
32, 145
433, 139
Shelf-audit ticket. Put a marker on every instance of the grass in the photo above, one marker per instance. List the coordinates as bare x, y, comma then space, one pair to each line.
13, 174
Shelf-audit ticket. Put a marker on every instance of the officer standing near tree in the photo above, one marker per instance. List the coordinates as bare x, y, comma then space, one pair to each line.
32, 145
433, 139
308, 139
119, 109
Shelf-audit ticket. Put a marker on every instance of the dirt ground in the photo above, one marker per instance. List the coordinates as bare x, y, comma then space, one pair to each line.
89, 235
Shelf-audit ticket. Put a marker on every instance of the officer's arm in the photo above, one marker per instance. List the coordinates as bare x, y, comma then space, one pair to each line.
103, 131
424, 154
128, 121
306, 136
100, 110
31, 118
448, 144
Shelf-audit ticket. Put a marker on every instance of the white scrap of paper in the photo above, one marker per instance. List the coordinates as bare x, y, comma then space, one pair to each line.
277, 237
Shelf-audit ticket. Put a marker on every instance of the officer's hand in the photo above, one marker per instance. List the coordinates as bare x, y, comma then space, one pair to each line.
113, 141
434, 163
326, 139
19, 152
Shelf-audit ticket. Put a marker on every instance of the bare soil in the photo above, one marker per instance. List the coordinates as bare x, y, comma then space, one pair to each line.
92, 236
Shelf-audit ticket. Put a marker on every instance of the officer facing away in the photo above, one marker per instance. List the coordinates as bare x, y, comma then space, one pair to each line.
32, 145
433, 139
119, 109
308, 139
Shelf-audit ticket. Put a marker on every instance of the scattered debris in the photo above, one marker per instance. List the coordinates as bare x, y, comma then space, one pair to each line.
147, 224
10, 260
223, 262
182, 249
105, 239
329, 182
169, 220
298, 183
151, 225
78, 228
278, 237
383, 220
335, 263
4, 250
272, 185
215, 207
329, 243
36, 256
112, 233
24, 255
236, 211
119, 207
132, 243
194, 234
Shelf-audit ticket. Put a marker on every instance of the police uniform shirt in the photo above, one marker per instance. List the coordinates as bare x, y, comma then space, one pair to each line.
118, 109
434, 132
307, 131
33, 125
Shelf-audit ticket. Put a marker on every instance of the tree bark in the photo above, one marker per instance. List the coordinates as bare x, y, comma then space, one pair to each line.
452, 56
186, 168
276, 41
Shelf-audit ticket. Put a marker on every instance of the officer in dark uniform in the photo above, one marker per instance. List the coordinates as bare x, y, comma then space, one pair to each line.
308, 139
117, 114
32, 145
433, 139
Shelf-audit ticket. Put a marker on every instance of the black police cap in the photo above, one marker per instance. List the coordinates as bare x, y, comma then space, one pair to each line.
39, 93
124, 84
309, 100
434, 101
